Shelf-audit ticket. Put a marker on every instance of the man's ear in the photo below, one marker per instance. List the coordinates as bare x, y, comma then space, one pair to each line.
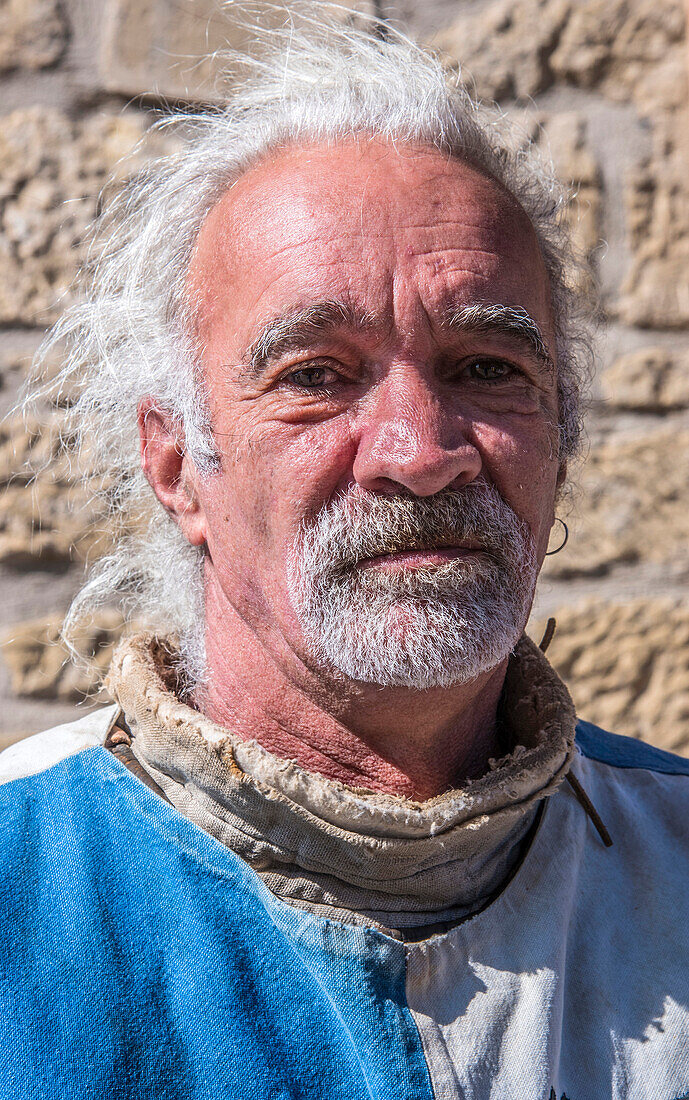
169, 470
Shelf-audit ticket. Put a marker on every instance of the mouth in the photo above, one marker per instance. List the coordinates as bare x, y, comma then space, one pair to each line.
421, 557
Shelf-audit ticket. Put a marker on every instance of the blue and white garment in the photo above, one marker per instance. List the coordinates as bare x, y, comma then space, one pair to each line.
141, 956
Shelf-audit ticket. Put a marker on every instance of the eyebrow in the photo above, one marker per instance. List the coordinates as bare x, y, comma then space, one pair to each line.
510, 322
298, 330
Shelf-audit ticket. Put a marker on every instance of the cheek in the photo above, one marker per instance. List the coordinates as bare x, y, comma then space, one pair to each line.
524, 469
273, 476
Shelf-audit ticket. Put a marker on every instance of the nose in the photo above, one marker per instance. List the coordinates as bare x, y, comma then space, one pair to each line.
407, 436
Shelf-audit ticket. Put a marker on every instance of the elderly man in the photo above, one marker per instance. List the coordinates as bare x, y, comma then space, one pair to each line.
322, 843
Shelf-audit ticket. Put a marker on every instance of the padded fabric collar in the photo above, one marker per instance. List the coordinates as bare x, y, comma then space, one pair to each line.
348, 852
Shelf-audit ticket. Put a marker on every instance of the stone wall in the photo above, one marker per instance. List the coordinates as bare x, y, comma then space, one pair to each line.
604, 84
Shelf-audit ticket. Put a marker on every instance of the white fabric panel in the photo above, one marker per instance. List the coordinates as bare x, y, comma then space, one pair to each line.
576, 978
35, 754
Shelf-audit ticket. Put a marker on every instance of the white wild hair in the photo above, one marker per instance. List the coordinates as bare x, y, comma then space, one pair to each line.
316, 78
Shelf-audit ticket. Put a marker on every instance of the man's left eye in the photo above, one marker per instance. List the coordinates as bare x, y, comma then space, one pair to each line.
490, 370
311, 378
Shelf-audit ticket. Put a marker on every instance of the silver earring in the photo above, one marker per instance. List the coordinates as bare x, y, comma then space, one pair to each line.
564, 541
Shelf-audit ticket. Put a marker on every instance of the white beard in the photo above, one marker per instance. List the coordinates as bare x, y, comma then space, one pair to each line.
416, 627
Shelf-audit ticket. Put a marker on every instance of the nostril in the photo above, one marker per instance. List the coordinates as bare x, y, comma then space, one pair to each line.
424, 471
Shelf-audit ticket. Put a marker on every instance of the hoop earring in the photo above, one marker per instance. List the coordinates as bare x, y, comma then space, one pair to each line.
564, 541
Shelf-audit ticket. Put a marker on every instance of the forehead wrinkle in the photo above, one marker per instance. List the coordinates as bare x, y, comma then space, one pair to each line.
299, 328
512, 322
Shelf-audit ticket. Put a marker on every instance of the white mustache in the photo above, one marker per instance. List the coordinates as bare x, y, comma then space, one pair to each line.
459, 618
362, 525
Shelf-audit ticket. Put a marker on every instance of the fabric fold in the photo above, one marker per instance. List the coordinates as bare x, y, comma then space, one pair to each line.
322, 844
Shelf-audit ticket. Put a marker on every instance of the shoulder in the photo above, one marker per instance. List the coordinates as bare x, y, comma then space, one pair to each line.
617, 751
43, 750
642, 796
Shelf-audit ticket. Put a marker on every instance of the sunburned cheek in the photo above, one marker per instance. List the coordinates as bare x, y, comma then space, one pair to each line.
517, 402
320, 464
531, 424
522, 465
241, 496
279, 475
519, 409
308, 455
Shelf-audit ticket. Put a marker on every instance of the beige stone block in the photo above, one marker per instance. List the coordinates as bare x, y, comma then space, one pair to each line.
16, 357
623, 47
503, 48
653, 379
53, 172
43, 524
33, 34
564, 134
40, 666
47, 514
655, 293
564, 137
630, 504
26, 445
627, 667
628, 49
176, 50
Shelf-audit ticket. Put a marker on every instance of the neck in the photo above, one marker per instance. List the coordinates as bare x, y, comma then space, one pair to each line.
416, 744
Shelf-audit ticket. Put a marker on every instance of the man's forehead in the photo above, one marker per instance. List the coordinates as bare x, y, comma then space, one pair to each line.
309, 219
413, 183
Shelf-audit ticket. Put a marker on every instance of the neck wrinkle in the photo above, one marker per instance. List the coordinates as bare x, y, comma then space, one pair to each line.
346, 851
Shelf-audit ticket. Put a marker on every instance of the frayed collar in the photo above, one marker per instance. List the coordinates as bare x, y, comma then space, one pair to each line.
316, 839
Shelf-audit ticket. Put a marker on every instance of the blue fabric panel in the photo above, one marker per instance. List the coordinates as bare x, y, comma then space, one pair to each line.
140, 958
627, 752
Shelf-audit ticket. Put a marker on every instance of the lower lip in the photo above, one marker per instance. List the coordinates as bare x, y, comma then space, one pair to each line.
418, 559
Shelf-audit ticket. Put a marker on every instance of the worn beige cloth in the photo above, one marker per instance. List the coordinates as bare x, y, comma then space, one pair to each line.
346, 852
